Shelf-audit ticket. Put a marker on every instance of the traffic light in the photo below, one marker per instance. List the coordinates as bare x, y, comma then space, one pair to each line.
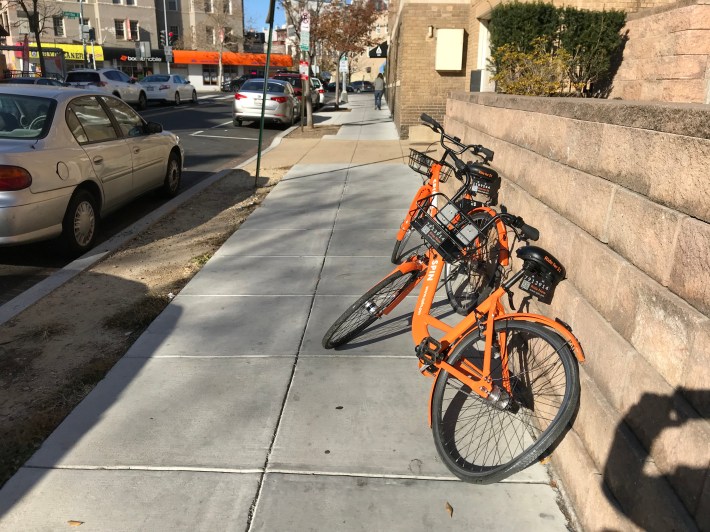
161, 38
92, 34
172, 38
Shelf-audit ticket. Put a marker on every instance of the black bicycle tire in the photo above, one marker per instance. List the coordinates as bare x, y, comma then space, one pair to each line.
487, 272
399, 245
331, 340
448, 447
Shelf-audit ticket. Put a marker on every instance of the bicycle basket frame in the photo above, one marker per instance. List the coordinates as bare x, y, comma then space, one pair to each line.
449, 231
422, 163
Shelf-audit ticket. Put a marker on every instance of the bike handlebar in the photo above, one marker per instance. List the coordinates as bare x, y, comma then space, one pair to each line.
476, 149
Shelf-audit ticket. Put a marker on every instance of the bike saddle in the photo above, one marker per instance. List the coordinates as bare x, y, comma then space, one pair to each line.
539, 260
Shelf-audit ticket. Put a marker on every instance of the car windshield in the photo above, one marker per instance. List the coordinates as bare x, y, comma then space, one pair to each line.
82, 77
156, 79
258, 86
25, 117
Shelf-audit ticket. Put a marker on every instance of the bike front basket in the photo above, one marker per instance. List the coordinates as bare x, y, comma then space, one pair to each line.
422, 164
450, 232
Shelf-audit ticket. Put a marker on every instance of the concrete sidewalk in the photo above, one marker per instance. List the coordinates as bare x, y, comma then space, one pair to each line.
227, 414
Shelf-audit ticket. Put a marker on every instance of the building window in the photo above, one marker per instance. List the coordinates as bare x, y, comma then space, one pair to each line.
58, 23
116, 1
130, 2
135, 34
120, 26
172, 5
209, 34
227, 7
209, 74
208, 6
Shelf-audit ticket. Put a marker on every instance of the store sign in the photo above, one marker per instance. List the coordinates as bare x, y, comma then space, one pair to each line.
134, 58
72, 52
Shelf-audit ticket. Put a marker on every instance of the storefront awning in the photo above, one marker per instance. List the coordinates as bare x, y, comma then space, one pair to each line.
199, 57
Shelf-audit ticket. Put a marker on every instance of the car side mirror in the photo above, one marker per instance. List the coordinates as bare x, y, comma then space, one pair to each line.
153, 127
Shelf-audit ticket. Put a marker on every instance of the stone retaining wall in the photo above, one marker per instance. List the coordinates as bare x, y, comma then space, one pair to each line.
621, 196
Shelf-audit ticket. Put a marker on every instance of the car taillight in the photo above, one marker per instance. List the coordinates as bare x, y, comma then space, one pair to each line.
14, 178
280, 99
239, 96
321, 91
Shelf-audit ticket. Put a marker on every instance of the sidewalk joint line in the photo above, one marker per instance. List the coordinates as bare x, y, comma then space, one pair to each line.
148, 468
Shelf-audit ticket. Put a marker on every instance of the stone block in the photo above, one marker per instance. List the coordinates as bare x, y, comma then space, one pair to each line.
643, 232
596, 421
656, 322
677, 170
692, 42
690, 273
594, 504
622, 158
552, 136
683, 90
697, 371
583, 144
588, 203
608, 354
652, 88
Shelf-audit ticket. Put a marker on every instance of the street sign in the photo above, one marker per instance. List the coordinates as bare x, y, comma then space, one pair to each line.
70, 14
303, 69
305, 41
343, 64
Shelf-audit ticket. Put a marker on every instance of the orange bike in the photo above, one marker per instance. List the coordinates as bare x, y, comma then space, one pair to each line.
506, 383
466, 283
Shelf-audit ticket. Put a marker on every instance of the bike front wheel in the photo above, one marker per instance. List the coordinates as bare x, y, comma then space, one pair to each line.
483, 440
400, 248
369, 308
472, 278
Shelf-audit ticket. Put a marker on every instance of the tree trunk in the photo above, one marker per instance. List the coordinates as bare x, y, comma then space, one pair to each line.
40, 53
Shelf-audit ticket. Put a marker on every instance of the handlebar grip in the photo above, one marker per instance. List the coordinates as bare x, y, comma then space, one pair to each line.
530, 232
488, 154
429, 120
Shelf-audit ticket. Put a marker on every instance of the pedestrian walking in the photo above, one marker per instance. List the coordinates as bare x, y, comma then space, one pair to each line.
379, 89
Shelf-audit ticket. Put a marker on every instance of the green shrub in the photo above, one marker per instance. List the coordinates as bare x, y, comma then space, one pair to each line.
534, 39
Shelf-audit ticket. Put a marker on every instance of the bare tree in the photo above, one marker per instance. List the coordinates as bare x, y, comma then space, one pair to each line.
39, 14
221, 30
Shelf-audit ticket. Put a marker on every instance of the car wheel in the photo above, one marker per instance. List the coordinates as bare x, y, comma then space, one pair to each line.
171, 185
194, 97
81, 222
142, 101
177, 98
237, 122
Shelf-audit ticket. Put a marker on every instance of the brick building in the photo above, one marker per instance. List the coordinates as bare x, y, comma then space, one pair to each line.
457, 32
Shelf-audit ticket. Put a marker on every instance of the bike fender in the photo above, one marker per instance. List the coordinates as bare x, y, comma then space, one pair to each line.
560, 329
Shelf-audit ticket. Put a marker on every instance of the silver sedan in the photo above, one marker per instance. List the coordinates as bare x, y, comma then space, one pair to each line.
70, 156
168, 88
280, 105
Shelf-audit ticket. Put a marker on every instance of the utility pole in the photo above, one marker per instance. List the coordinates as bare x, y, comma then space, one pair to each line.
81, 29
168, 48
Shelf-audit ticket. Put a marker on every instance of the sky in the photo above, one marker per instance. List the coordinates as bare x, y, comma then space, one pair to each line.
255, 14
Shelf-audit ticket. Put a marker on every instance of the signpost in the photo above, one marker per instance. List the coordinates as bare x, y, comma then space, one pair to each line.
305, 31
70, 14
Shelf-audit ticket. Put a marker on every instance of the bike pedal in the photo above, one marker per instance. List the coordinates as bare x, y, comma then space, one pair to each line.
429, 352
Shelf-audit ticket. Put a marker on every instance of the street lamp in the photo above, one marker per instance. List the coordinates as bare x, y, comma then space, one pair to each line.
168, 45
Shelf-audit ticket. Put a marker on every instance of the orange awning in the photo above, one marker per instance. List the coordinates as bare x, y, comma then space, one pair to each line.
199, 57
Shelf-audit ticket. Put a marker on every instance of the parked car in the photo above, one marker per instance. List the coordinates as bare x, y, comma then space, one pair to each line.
281, 104
110, 80
323, 96
294, 79
168, 88
362, 86
331, 87
70, 156
33, 81
232, 85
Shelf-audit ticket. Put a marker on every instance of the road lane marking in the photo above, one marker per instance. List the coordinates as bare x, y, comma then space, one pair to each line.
220, 137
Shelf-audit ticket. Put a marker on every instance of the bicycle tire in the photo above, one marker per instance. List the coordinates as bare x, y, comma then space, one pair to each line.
399, 251
503, 442
368, 308
470, 280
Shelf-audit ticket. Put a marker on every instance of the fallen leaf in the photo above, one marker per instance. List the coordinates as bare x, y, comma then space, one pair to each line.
546, 459
75, 523
450, 509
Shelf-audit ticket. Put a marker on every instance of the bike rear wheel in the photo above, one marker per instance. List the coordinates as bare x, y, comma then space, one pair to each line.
368, 308
482, 442
471, 279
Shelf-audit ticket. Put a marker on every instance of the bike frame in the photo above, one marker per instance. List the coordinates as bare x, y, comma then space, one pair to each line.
484, 316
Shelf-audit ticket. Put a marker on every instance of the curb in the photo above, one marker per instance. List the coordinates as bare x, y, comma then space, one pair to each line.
30, 296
